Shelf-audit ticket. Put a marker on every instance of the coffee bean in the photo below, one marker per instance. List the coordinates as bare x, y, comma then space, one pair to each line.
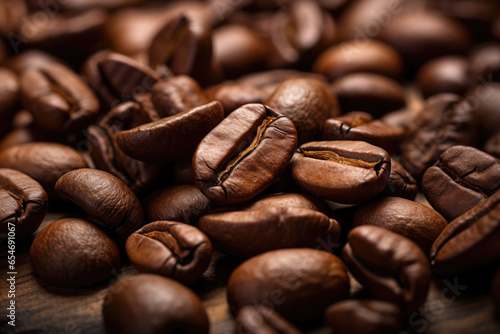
58, 99
29, 59
170, 249
271, 79
470, 241
147, 142
361, 126
390, 266
117, 78
400, 183
23, 203
183, 203
262, 320
341, 171
444, 122
307, 102
253, 143
9, 98
288, 200
174, 95
231, 231
297, 283
483, 100
484, 64
166, 307
372, 93
462, 178
44, 162
235, 95
73, 252
104, 197
416, 221
364, 316
446, 74
351, 57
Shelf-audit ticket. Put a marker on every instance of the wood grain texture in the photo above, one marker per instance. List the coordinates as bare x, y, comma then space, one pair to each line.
41, 308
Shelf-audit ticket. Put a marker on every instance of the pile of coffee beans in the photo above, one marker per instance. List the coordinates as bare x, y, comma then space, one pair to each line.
319, 143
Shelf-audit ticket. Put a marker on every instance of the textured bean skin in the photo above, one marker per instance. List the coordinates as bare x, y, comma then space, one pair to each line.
461, 178
104, 197
152, 304
253, 143
171, 249
44, 162
415, 221
298, 283
470, 241
23, 205
341, 171
252, 232
73, 252
390, 266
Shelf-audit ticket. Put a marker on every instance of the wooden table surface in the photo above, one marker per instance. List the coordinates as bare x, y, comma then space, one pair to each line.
41, 308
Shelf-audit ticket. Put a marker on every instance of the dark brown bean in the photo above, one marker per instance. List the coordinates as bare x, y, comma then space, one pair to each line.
364, 317
391, 267
170, 249
400, 183
446, 74
147, 142
166, 307
73, 252
253, 143
104, 197
462, 178
470, 241
341, 171
233, 95
23, 204
307, 102
484, 64
297, 283
262, 320
9, 98
415, 221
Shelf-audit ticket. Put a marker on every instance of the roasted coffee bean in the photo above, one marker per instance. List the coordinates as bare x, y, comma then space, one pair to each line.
372, 93
44, 162
288, 200
423, 35
23, 204
104, 197
400, 118
107, 155
462, 178
253, 143
361, 126
29, 59
270, 80
58, 99
73, 252
9, 98
400, 183
165, 305
165, 140
174, 95
171, 249
307, 102
262, 320
298, 33
341, 171
484, 101
239, 50
183, 203
470, 241
446, 74
11, 13
492, 146
71, 36
364, 317
276, 227
390, 266
415, 221
184, 46
484, 64
117, 78
443, 123
297, 283
495, 289
234, 95
351, 57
